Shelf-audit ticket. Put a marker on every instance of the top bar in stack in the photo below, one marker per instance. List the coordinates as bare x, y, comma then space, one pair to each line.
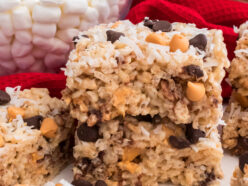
235, 133
153, 68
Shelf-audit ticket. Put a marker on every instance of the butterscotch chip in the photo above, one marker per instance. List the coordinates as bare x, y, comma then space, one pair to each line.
195, 91
129, 166
14, 111
130, 153
49, 128
156, 38
2, 142
179, 42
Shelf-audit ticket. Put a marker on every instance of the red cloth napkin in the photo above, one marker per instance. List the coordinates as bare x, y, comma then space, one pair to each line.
220, 14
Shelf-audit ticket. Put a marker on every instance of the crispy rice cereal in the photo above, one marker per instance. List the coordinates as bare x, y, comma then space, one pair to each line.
120, 69
35, 132
146, 152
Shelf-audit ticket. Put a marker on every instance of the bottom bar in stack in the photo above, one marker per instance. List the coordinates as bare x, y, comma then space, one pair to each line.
146, 151
35, 133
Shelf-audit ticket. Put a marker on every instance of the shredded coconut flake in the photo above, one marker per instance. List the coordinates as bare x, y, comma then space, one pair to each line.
132, 45
144, 131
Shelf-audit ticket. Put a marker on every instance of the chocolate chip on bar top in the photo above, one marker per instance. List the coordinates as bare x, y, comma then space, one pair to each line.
4, 98
34, 121
199, 41
113, 36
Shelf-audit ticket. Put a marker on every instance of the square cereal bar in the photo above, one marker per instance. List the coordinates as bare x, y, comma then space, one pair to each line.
152, 68
35, 136
144, 151
235, 133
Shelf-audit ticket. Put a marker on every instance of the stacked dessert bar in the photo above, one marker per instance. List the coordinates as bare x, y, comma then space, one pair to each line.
35, 132
148, 100
235, 133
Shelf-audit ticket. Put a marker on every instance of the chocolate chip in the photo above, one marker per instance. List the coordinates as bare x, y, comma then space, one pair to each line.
86, 166
100, 183
88, 134
4, 98
34, 122
193, 70
101, 155
243, 159
81, 183
178, 142
163, 26
243, 142
86, 161
209, 177
113, 35
199, 41
192, 134
75, 39
148, 23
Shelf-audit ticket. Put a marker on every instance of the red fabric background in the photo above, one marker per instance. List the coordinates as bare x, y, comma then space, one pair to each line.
220, 14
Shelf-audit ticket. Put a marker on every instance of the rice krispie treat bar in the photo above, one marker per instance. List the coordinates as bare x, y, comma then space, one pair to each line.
145, 151
35, 136
240, 175
155, 67
235, 133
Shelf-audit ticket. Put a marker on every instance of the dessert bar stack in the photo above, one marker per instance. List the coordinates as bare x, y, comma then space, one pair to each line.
235, 134
36, 136
148, 101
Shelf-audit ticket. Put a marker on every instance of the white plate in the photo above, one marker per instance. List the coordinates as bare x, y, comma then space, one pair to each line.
228, 165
